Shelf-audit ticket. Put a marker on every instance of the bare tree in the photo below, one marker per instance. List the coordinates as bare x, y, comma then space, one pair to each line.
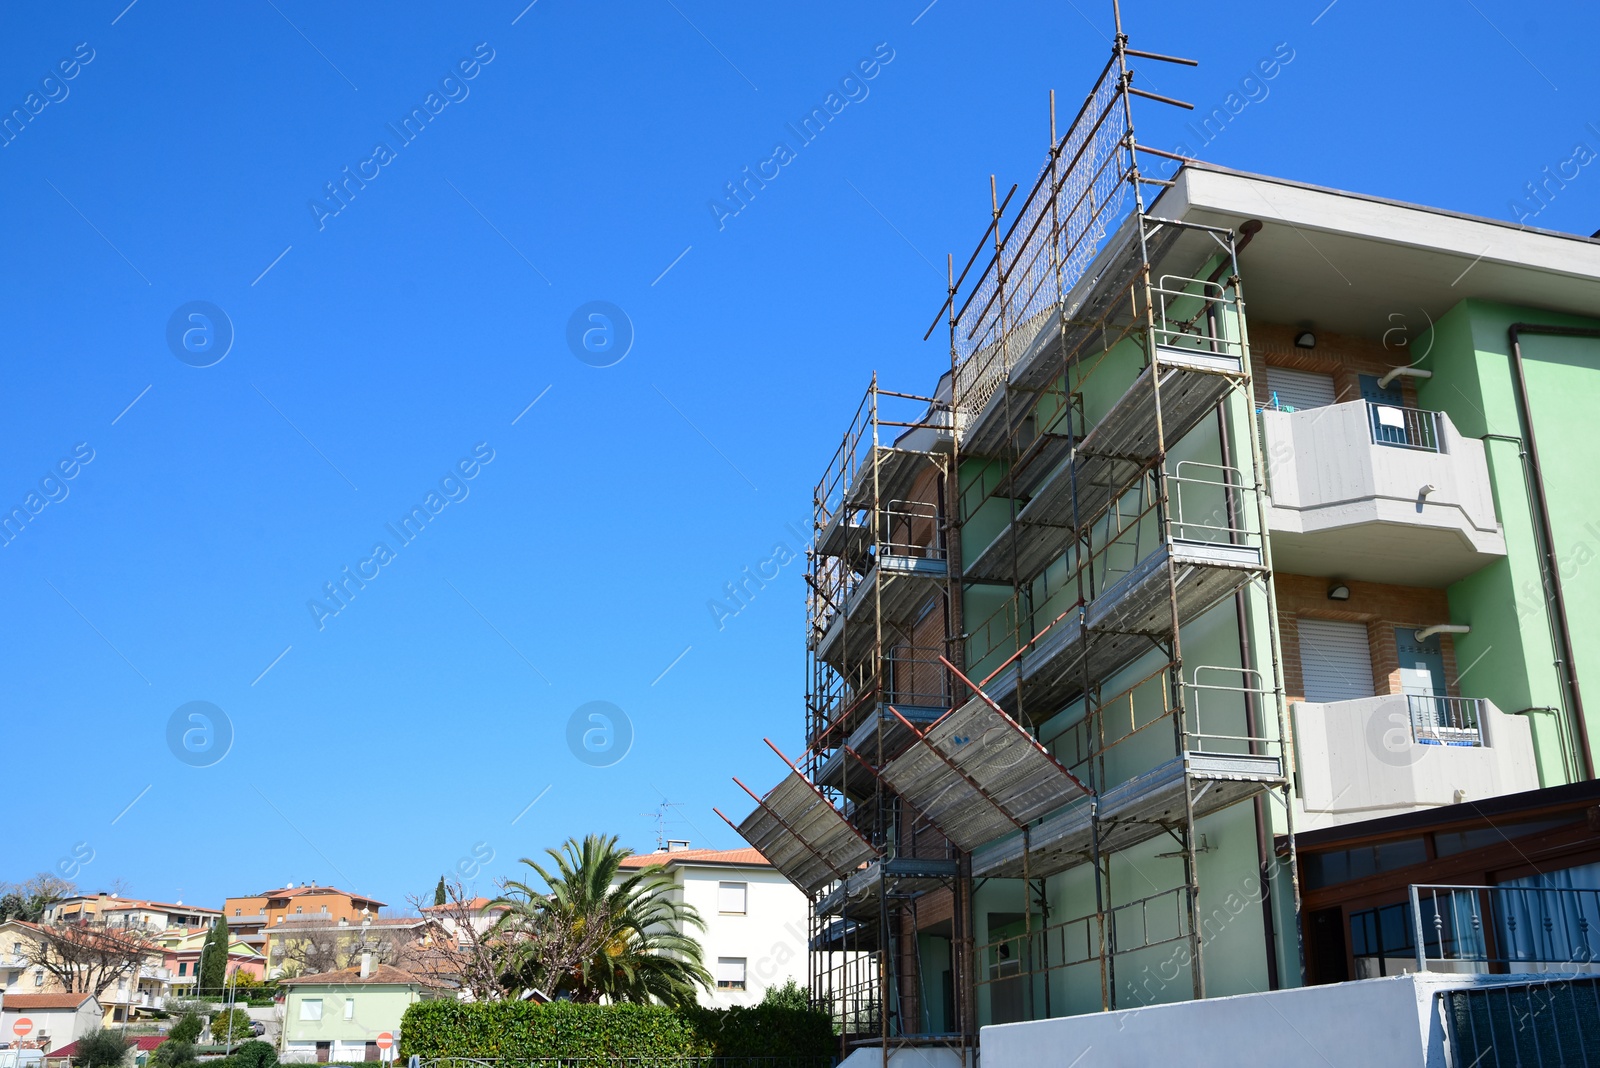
85, 956
458, 946
28, 899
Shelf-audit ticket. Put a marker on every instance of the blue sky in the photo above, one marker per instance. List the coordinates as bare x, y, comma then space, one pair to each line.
424, 727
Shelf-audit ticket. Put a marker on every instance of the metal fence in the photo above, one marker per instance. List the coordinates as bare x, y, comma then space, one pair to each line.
1547, 1023
1405, 428
1500, 928
1438, 720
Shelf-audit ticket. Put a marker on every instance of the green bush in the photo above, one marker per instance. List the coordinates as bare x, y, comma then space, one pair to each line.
256, 1054
100, 1049
187, 1029
173, 1053
522, 1030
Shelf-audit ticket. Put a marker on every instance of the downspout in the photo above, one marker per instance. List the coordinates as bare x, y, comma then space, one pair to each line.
1558, 601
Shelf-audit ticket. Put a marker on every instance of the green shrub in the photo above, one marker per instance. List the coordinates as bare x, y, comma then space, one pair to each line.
100, 1049
522, 1030
230, 1025
173, 1053
187, 1029
256, 1054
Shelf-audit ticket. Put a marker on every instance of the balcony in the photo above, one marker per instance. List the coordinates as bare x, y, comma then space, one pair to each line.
1381, 756
1377, 492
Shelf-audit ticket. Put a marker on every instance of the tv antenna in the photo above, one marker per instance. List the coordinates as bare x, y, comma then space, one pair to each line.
660, 815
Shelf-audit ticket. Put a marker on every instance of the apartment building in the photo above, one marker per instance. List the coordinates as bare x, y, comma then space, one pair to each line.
1239, 508
116, 911
254, 918
755, 919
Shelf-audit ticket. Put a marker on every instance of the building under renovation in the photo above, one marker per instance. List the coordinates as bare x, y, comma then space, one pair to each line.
1137, 586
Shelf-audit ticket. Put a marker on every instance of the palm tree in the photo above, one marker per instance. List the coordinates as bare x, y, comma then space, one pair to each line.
600, 932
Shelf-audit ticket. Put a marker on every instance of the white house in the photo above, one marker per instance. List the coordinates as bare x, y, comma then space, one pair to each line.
755, 919
47, 1021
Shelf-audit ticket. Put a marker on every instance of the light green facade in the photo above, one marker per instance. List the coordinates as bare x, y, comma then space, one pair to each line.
349, 1013
1511, 654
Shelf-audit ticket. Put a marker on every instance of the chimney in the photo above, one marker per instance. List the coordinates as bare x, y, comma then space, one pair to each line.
366, 965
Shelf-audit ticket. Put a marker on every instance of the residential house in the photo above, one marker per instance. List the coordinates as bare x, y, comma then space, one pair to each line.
134, 993
137, 1056
755, 919
313, 941
338, 1016
47, 1021
470, 918
181, 950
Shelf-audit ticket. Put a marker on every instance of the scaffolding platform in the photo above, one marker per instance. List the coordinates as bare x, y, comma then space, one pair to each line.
1132, 812
1123, 620
843, 772
1108, 460
804, 836
977, 774
900, 598
905, 876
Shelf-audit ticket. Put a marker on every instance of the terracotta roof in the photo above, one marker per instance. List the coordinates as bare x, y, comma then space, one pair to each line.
40, 1002
746, 858
381, 975
135, 903
476, 904
143, 1043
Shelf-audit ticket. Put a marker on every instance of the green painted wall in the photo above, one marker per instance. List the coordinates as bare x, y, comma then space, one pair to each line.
1509, 657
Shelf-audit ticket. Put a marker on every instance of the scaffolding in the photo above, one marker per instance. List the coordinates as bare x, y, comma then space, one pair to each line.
1091, 545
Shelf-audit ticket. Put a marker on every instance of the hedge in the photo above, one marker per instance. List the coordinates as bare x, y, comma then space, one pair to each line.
522, 1030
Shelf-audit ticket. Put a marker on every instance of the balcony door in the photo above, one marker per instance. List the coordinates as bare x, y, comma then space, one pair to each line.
1421, 663
1335, 660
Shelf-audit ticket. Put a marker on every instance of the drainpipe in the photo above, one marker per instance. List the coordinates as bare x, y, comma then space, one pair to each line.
1558, 601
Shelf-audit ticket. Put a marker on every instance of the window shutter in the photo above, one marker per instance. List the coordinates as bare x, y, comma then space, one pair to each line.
731, 897
1335, 660
1301, 389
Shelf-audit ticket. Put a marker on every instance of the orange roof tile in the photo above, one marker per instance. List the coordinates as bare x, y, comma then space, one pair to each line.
380, 975
40, 1002
747, 858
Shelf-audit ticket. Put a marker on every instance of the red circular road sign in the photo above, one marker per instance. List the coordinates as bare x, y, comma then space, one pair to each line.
23, 1027
385, 1039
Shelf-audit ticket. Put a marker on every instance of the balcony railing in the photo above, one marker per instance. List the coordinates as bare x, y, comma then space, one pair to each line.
1506, 928
1404, 428
1445, 720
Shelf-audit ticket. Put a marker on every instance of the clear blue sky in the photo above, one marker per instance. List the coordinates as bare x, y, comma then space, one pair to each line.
375, 348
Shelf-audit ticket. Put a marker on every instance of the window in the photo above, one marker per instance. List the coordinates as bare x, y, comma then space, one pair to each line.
1335, 660
238, 912
38, 977
731, 897
311, 1009
730, 973
349, 1008
298, 910
1344, 865
183, 967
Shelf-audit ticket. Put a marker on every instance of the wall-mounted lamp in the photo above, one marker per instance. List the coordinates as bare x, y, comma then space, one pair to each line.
1425, 490
1442, 628
1402, 372
1305, 339
1338, 592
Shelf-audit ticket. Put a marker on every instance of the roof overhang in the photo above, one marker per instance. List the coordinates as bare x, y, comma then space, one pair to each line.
1343, 262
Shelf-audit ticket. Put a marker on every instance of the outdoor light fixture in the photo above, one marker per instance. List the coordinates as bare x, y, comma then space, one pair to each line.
1305, 339
1338, 592
1402, 372
1442, 628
